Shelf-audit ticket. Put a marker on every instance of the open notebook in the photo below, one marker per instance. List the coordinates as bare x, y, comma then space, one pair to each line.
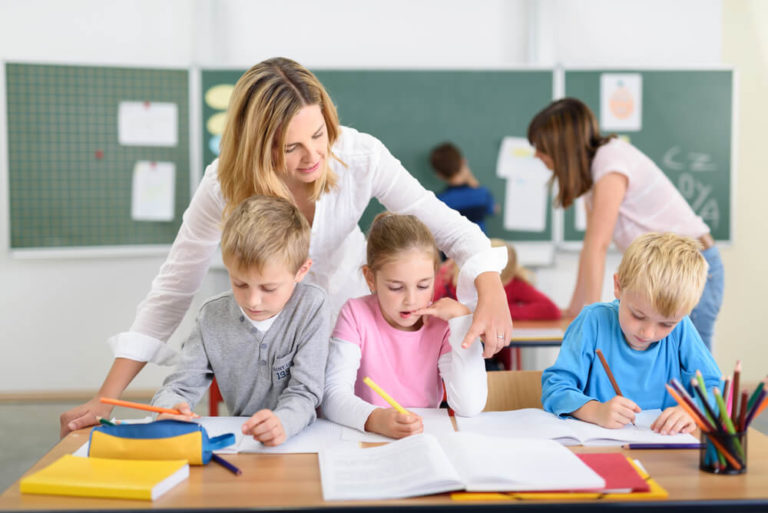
425, 464
568, 431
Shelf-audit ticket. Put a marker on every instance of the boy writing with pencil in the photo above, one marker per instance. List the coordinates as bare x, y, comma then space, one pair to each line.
266, 340
645, 336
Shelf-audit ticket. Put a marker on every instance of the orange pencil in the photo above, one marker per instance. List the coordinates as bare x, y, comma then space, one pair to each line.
140, 406
704, 427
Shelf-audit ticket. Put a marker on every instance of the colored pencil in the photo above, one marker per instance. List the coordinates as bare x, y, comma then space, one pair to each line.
376, 388
735, 390
227, 465
756, 408
712, 435
140, 406
726, 395
753, 397
687, 398
615, 385
728, 422
707, 408
743, 410
663, 446
106, 422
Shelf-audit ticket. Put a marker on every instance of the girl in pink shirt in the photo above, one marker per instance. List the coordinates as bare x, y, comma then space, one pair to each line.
626, 195
400, 339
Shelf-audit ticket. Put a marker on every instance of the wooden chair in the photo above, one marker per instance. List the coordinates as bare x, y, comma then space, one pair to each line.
513, 390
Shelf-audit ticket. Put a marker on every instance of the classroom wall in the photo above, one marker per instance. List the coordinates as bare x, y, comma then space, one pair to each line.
53, 311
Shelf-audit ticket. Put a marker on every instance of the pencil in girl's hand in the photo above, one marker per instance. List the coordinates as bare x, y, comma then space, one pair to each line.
376, 388
141, 406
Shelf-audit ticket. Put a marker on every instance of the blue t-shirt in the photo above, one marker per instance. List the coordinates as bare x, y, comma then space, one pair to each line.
578, 376
474, 203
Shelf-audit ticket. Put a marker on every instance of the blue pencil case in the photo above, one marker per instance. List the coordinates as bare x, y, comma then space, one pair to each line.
159, 440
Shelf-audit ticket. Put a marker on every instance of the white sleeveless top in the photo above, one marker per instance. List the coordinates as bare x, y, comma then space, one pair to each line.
651, 204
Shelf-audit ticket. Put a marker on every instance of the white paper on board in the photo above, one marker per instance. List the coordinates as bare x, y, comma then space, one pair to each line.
525, 203
147, 124
621, 102
153, 188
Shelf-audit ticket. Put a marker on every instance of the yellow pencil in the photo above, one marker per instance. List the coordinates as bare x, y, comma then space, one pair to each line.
376, 388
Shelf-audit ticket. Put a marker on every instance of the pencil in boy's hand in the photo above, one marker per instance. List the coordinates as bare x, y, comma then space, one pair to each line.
376, 388
141, 406
608, 372
610, 375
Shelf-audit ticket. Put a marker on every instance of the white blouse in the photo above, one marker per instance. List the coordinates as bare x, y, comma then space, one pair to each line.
337, 246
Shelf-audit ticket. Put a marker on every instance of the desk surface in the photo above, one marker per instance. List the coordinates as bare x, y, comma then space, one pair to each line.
278, 481
538, 333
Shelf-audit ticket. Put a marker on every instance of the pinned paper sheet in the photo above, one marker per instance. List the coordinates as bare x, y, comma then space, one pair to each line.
147, 124
153, 191
525, 204
621, 101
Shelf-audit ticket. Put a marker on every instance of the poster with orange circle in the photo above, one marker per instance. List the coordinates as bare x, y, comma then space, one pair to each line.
621, 102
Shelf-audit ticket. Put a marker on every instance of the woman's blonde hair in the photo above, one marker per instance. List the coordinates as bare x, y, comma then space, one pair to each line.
668, 269
391, 234
568, 133
263, 102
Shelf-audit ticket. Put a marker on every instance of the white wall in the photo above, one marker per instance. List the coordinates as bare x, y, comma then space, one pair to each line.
52, 312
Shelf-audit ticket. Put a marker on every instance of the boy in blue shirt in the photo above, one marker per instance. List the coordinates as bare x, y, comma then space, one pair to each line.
464, 193
645, 335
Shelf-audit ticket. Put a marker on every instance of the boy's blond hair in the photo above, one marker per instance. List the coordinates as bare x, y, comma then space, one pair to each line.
668, 268
263, 229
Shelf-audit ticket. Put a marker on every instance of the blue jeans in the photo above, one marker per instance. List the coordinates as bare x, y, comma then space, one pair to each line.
705, 313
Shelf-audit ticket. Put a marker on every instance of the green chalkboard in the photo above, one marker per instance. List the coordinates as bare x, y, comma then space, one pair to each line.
686, 129
69, 178
412, 111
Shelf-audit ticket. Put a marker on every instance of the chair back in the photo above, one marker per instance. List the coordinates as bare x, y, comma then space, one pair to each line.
513, 390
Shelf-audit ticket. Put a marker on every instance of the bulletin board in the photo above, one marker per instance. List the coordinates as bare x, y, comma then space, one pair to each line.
70, 180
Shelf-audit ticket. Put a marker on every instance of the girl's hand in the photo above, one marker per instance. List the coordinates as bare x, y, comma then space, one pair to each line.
492, 321
673, 420
390, 422
265, 427
445, 309
613, 414
186, 413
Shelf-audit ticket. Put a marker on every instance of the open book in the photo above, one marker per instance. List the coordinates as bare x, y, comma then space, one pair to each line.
568, 431
425, 464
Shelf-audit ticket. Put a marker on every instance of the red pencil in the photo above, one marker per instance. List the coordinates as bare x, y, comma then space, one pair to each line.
735, 390
743, 411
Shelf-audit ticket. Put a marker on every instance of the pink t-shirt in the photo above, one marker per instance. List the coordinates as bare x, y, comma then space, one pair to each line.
403, 363
651, 204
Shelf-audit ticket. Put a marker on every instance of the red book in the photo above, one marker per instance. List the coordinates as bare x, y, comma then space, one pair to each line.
620, 476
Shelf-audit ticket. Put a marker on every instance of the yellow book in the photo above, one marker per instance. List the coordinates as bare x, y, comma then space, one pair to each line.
102, 477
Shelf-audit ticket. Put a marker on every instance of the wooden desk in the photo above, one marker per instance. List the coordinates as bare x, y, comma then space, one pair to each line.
272, 482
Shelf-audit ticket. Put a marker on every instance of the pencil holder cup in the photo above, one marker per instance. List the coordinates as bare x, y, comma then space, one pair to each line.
723, 453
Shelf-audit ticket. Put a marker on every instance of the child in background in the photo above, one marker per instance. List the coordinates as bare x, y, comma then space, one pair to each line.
387, 337
626, 195
464, 193
266, 340
525, 301
645, 335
